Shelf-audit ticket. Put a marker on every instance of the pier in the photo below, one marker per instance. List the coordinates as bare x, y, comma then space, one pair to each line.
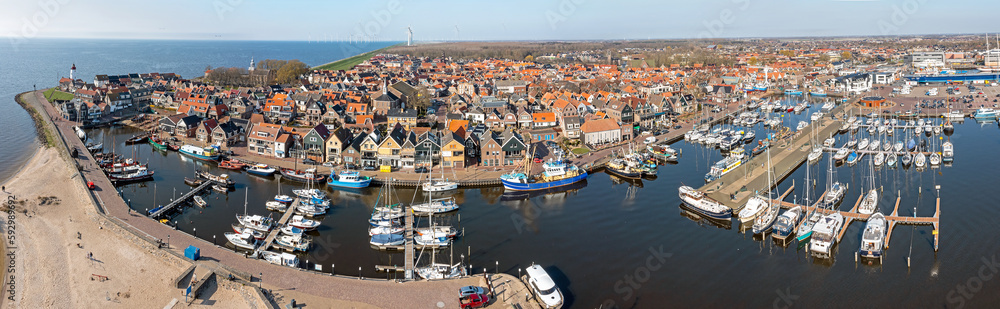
182, 199
892, 219
269, 240
736, 187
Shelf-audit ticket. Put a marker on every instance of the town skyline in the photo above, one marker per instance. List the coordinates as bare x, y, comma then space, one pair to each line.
517, 21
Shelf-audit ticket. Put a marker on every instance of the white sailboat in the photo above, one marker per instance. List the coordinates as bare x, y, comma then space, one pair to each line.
439, 185
870, 203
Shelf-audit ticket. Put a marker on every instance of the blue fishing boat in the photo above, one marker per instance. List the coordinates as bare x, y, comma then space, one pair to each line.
210, 153
985, 113
348, 179
793, 92
557, 173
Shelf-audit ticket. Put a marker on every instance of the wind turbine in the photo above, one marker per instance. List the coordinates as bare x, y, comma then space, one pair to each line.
409, 36
458, 33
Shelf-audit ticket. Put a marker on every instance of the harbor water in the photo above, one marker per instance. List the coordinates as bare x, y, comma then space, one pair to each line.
629, 243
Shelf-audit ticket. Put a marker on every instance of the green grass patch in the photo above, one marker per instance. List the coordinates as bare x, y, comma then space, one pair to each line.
43, 130
349, 63
55, 95
581, 150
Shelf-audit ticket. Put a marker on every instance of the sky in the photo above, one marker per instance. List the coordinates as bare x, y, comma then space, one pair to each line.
441, 20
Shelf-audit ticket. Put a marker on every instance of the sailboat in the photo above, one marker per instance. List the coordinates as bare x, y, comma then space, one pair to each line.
870, 203
762, 224
439, 185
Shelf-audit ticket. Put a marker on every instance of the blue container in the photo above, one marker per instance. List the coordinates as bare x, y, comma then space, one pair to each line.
192, 253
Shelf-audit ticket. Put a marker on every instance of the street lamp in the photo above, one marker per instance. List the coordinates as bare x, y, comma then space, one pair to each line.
168, 241
260, 280
213, 240
498, 267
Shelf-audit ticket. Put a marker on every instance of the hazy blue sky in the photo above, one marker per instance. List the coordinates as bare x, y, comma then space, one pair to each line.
489, 20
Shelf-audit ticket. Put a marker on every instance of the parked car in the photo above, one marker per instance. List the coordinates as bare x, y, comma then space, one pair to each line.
475, 301
370, 168
328, 164
90, 185
420, 170
467, 291
309, 161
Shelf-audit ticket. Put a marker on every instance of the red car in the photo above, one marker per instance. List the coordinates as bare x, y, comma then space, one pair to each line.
90, 185
474, 301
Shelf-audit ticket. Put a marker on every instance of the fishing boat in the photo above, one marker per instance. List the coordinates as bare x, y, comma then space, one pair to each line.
873, 237
157, 143
703, 204
201, 153
173, 147
824, 235
293, 242
557, 173
819, 92
985, 113
793, 92
436, 206
283, 259
619, 168
256, 222
947, 152
142, 174
786, 223
303, 223
309, 175
841, 154
291, 230
231, 164
666, 153
387, 240
200, 202
348, 179
543, 286
261, 170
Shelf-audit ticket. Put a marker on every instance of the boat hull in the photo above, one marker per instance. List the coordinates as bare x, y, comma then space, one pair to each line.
198, 156
726, 215
348, 184
516, 186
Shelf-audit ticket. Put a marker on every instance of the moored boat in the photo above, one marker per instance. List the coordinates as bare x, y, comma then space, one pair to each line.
873, 237
557, 173
348, 179
201, 153
786, 223
309, 175
703, 204
824, 235
261, 170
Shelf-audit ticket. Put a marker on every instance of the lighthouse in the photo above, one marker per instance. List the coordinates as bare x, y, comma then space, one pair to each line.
72, 72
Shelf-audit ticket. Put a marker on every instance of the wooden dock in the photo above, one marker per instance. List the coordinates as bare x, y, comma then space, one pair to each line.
874, 152
180, 200
269, 241
893, 218
408, 253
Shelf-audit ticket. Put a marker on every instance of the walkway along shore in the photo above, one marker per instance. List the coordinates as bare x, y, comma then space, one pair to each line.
377, 292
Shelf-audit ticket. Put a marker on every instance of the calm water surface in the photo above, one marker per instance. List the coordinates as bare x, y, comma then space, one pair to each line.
598, 241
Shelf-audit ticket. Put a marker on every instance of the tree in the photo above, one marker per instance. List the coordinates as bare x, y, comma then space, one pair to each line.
845, 55
290, 71
824, 58
753, 61
788, 53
